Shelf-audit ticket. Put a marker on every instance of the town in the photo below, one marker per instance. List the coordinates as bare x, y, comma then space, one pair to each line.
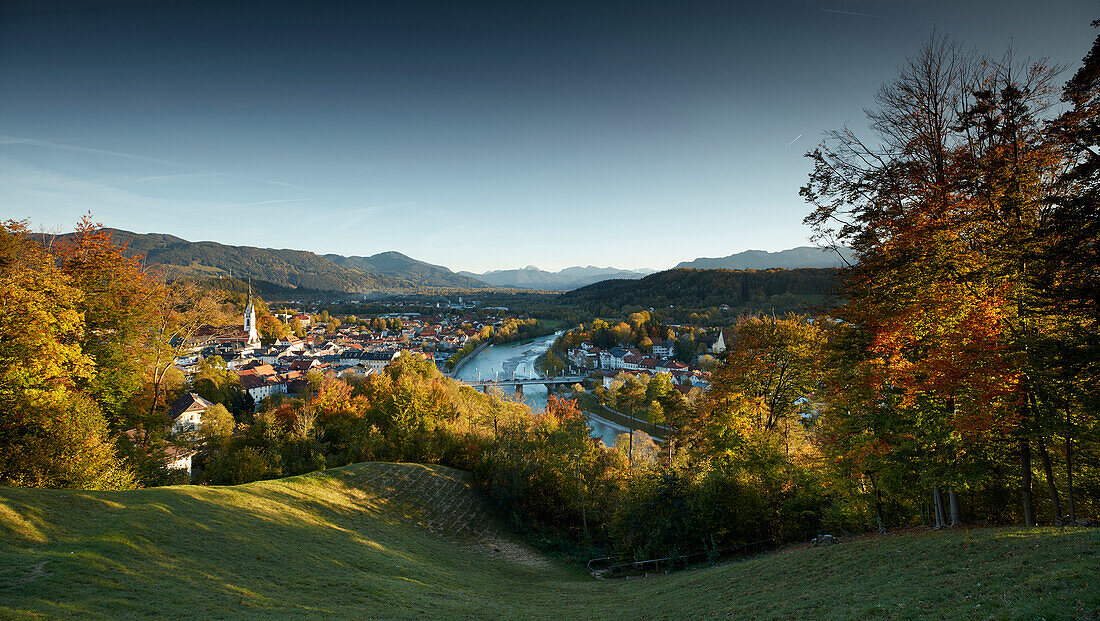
331, 347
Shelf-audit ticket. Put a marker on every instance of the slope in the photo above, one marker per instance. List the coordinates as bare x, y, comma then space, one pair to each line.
370, 539
802, 256
410, 541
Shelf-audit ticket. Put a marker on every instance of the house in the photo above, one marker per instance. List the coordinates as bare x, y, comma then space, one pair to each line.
672, 366
616, 358
177, 458
258, 368
186, 412
376, 360
663, 347
581, 357
259, 387
304, 364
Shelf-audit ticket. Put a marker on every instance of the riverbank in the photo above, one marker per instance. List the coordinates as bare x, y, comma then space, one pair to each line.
468, 357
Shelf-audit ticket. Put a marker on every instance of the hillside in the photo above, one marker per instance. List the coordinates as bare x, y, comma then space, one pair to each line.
777, 289
792, 258
406, 541
388, 272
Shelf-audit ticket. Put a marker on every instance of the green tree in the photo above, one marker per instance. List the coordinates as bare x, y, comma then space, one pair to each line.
297, 328
217, 423
658, 387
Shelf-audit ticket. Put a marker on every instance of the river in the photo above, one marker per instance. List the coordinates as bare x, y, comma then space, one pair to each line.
501, 361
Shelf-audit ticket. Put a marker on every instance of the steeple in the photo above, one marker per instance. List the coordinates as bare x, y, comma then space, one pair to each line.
250, 318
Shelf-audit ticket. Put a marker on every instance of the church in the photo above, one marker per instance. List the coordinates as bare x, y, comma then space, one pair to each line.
248, 337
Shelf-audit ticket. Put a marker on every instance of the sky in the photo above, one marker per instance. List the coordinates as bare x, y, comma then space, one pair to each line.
475, 135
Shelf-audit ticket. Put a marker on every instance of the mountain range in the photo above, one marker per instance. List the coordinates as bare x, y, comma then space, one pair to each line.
400, 266
567, 279
393, 272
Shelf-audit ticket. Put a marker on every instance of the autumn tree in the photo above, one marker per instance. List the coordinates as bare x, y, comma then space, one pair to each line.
51, 434
118, 303
945, 210
1071, 265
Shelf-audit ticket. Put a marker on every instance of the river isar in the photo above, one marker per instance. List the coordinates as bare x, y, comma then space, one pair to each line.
502, 361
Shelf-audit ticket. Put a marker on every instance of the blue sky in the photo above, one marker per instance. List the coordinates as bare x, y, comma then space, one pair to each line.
476, 135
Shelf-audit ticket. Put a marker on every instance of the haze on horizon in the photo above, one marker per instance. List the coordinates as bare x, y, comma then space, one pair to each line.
477, 135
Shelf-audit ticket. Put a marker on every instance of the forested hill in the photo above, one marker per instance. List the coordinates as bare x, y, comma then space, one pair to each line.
792, 258
296, 269
779, 290
400, 266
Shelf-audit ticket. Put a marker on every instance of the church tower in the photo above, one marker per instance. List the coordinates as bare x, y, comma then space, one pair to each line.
250, 319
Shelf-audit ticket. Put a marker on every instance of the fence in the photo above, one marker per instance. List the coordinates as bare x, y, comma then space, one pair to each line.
606, 568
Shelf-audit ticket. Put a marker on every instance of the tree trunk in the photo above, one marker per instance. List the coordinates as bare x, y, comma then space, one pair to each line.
1025, 482
953, 502
630, 451
937, 501
1047, 470
1069, 467
878, 512
584, 512
878, 505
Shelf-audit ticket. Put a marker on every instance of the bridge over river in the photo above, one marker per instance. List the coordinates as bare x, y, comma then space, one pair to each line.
520, 382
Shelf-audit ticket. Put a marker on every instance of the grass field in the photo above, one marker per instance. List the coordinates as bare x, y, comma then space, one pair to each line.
410, 541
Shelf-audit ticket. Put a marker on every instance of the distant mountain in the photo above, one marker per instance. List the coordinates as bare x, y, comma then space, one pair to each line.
772, 289
400, 266
567, 279
294, 269
803, 256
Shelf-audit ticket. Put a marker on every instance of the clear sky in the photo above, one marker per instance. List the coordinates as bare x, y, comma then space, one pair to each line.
476, 135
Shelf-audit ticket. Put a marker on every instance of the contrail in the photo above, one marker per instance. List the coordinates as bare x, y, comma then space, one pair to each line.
850, 13
793, 141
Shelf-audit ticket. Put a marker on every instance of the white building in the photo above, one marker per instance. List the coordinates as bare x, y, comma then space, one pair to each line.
186, 412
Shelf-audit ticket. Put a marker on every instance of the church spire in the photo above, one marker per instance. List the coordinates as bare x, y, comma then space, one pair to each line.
250, 318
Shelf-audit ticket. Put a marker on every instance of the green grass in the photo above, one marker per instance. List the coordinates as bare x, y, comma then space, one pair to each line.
410, 541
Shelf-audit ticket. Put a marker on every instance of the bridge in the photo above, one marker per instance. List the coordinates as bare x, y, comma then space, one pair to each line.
520, 382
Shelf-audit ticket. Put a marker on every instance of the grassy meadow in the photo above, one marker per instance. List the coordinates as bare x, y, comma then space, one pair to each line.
382, 541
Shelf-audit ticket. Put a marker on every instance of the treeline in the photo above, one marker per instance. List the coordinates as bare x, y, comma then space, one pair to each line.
773, 290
